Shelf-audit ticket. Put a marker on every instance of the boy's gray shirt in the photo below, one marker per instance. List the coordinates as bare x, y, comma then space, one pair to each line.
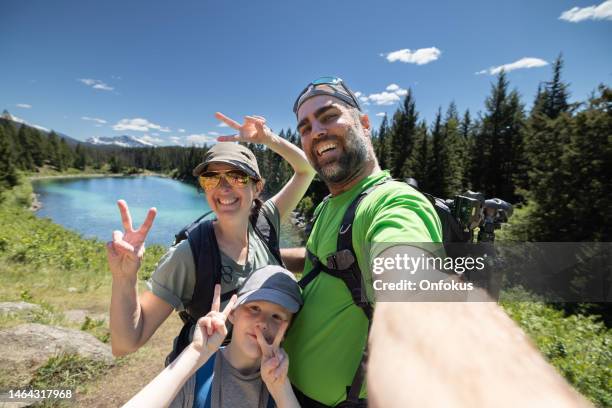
236, 389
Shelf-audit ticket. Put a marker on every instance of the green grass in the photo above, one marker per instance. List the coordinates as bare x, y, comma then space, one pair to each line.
45, 264
579, 346
40, 262
67, 372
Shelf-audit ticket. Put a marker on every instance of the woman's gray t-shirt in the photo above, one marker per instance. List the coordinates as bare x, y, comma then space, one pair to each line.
175, 274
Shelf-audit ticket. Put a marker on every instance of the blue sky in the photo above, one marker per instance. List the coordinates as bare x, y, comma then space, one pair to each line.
159, 70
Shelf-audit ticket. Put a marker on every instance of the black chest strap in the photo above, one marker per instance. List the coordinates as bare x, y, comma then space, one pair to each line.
343, 265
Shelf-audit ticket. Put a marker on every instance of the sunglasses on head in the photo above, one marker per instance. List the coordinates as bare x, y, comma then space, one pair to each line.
338, 90
211, 179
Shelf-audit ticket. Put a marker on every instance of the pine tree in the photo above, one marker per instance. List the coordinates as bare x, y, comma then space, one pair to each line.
466, 130
556, 95
66, 153
381, 146
436, 171
55, 153
8, 172
417, 166
453, 148
402, 135
500, 138
81, 158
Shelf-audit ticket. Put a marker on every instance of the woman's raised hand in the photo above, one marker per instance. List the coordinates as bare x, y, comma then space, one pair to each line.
211, 330
274, 360
253, 130
127, 248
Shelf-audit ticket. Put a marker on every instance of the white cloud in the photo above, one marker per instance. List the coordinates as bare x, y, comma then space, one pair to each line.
200, 139
420, 57
24, 105
381, 114
523, 63
181, 130
223, 124
392, 87
138, 125
97, 120
391, 95
358, 94
578, 14
176, 140
384, 98
214, 133
96, 84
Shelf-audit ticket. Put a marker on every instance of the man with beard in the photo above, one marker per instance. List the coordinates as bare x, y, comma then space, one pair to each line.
328, 337
422, 353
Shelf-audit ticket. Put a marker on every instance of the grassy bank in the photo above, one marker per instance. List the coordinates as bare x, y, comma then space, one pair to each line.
42, 263
45, 264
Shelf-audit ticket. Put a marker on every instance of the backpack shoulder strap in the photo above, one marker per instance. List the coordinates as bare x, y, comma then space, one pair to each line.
264, 228
207, 259
343, 264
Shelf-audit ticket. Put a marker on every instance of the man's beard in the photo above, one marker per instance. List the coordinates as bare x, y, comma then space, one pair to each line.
350, 162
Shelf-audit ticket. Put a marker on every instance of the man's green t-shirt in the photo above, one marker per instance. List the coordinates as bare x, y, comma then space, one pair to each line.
328, 335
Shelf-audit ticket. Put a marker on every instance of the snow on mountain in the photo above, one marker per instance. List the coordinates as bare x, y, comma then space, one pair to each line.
6, 115
121, 141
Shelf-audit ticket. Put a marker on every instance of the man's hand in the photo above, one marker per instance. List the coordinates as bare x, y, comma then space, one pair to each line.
210, 330
253, 130
274, 360
127, 248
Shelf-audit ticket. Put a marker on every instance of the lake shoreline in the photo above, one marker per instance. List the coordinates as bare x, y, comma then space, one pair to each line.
94, 175
87, 204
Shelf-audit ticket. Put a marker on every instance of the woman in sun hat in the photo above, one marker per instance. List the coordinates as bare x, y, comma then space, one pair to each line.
230, 176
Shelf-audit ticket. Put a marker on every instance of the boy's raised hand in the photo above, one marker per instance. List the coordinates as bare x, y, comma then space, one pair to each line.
127, 248
274, 360
211, 330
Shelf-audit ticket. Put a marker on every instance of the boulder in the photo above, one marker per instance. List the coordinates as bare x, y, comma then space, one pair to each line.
27, 347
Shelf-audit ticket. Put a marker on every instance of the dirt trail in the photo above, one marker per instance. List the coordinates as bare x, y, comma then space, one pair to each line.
121, 382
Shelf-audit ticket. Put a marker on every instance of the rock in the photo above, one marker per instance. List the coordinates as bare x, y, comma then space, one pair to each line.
18, 307
27, 347
79, 316
72, 289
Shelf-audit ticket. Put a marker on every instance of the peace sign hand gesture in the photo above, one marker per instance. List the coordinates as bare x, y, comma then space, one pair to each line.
274, 360
127, 248
210, 330
253, 130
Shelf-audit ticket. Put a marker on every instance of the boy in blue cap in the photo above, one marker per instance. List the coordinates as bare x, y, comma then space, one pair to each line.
252, 370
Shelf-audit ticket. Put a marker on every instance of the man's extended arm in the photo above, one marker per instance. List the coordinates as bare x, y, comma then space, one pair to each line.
458, 354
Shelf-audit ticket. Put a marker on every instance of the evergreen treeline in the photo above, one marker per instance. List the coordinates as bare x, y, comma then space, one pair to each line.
24, 148
551, 161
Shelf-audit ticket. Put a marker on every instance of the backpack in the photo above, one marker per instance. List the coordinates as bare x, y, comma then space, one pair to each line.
207, 260
342, 264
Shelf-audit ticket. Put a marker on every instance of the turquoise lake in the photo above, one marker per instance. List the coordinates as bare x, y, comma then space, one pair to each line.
89, 206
